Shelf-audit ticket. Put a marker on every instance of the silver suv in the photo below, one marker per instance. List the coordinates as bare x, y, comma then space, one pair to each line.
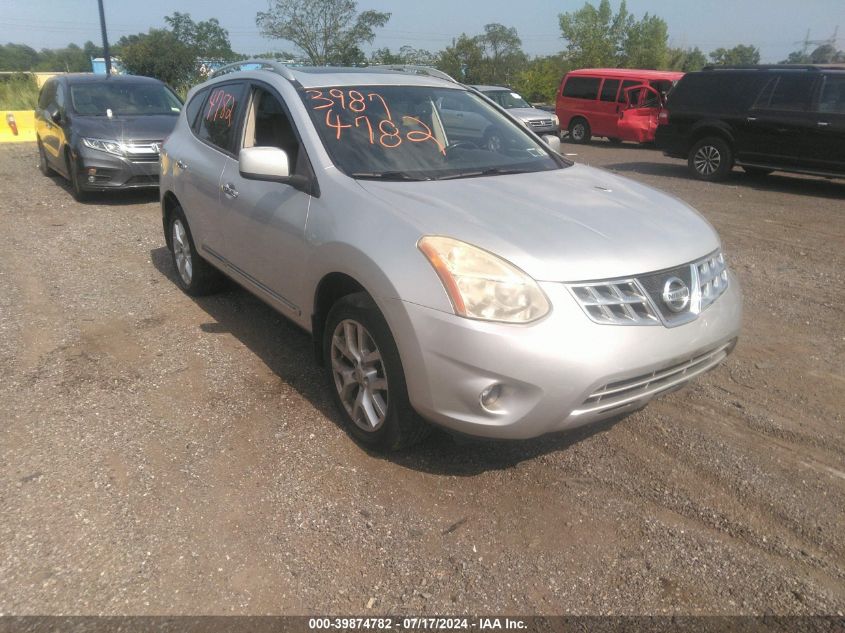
494, 289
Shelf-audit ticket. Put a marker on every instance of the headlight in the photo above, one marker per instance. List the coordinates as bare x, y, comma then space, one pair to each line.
112, 147
481, 285
556, 120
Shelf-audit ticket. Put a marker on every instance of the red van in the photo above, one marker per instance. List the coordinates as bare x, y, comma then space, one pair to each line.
621, 104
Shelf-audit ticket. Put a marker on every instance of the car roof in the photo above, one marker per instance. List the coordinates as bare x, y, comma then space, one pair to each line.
627, 72
489, 88
80, 78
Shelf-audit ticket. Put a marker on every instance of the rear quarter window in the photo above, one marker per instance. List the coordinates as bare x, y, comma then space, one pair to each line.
193, 108
581, 87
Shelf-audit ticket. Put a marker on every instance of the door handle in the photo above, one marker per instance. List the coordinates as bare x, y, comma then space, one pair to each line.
181, 164
229, 190
751, 119
823, 123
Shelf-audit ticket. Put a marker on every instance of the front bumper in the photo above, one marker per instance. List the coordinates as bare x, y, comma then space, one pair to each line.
547, 129
559, 373
114, 172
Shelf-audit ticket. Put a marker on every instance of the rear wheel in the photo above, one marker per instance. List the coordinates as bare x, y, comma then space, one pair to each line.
710, 159
579, 131
366, 376
43, 165
195, 276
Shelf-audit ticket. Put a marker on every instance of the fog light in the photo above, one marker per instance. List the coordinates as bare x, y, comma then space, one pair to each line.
491, 395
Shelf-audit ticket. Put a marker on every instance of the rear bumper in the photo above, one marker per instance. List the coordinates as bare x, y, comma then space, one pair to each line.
114, 172
559, 373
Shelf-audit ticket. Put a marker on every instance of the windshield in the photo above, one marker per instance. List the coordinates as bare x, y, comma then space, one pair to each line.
421, 133
507, 99
123, 99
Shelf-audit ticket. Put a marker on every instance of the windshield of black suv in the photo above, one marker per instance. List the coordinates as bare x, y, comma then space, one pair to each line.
123, 99
507, 99
421, 133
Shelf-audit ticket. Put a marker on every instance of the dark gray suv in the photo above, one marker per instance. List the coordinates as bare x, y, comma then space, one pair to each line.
104, 133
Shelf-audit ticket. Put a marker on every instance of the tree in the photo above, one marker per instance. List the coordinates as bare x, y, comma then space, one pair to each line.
686, 60
595, 36
159, 54
539, 79
464, 59
326, 31
645, 44
18, 57
503, 53
208, 39
406, 55
737, 56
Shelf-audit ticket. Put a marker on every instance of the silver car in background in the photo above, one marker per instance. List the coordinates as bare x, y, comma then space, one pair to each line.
539, 121
493, 289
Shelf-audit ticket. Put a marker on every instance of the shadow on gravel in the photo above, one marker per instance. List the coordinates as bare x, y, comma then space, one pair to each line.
777, 182
288, 352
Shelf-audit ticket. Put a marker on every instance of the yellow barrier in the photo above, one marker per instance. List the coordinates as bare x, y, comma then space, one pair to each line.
17, 126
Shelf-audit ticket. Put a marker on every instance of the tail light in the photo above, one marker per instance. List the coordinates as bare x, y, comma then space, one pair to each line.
663, 117
10, 119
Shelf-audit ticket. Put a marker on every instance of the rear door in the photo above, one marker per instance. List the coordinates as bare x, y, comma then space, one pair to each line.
265, 221
829, 115
780, 129
199, 161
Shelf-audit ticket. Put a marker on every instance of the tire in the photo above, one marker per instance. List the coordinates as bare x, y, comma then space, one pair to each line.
710, 159
757, 172
579, 131
369, 388
79, 194
195, 276
43, 165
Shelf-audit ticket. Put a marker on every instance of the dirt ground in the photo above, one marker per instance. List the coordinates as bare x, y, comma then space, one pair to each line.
164, 455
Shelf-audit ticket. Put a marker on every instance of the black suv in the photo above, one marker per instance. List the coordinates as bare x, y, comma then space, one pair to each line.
104, 132
763, 118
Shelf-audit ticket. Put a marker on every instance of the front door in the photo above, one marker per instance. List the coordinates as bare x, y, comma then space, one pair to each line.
638, 121
265, 221
829, 130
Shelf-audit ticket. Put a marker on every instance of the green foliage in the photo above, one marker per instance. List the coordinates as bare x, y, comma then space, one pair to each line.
326, 31
824, 54
736, 56
464, 59
208, 39
18, 92
539, 79
159, 54
685, 59
503, 56
406, 55
646, 43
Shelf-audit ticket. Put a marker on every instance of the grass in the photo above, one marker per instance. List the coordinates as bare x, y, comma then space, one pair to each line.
18, 92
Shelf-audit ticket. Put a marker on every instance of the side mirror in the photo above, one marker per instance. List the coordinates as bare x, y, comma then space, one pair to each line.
552, 141
264, 163
54, 114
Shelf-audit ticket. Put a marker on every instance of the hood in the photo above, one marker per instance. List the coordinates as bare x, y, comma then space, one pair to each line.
572, 224
125, 128
530, 114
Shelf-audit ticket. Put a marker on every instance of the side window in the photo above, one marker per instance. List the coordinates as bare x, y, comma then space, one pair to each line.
220, 114
788, 92
193, 108
609, 90
628, 83
60, 97
832, 97
48, 91
582, 87
268, 125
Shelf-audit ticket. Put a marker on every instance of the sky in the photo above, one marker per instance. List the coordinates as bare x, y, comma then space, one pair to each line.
776, 27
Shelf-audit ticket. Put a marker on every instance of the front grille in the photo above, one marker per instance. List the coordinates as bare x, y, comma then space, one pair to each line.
622, 392
142, 151
540, 122
672, 297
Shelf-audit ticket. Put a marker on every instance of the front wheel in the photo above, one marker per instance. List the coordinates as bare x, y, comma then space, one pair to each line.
43, 165
710, 159
366, 376
79, 194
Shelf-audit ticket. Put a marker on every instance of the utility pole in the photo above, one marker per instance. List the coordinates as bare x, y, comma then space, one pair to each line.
106, 54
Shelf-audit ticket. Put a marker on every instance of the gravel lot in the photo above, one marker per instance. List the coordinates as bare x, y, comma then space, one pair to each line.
163, 455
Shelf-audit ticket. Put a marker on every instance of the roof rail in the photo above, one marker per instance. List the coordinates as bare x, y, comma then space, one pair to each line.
416, 70
814, 67
255, 64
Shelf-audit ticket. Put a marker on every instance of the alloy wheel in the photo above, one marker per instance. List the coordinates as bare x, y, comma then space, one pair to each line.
707, 160
578, 132
359, 375
182, 252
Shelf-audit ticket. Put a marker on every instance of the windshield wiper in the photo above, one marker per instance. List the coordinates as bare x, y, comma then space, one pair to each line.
493, 171
386, 175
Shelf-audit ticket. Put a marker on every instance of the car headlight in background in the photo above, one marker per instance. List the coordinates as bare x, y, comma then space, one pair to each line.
112, 147
481, 285
556, 120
